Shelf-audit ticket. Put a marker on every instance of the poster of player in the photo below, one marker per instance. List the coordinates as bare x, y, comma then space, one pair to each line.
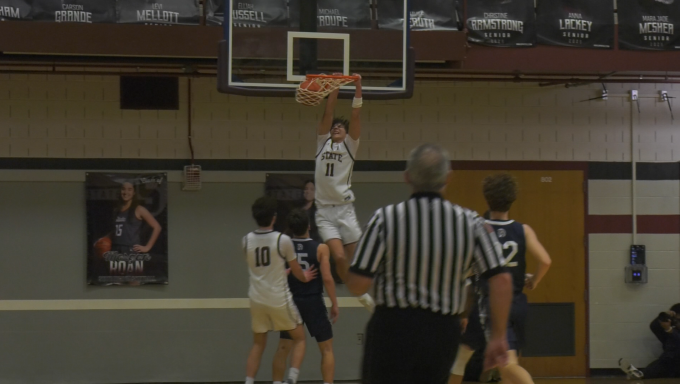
249, 13
127, 221
501, 23
295, 191
576, 23
335, 14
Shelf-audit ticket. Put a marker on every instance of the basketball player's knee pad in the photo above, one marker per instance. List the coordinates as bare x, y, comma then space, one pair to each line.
462, 357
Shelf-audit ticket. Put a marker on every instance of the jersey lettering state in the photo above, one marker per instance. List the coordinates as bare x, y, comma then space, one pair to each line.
267, 253
511, 235
333, 174
306, 252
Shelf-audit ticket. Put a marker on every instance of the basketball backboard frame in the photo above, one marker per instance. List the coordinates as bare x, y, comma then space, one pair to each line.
403, 88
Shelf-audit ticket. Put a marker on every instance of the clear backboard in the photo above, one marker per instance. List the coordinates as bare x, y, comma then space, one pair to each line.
267, 49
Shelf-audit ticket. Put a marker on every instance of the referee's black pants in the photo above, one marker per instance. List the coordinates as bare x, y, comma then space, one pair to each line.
409, 346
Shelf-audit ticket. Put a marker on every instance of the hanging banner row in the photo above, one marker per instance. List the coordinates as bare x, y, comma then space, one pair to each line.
643, 24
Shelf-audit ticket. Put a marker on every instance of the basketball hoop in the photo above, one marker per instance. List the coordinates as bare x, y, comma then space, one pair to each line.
316, 87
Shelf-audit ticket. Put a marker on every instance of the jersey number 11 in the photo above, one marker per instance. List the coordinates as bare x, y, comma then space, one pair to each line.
329, 169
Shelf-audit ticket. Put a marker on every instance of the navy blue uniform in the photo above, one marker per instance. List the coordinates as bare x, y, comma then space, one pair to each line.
308, 297
511, 235
127, 230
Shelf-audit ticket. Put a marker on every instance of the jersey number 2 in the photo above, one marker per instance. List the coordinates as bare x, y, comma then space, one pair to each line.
329, 169
513, 252
262, 257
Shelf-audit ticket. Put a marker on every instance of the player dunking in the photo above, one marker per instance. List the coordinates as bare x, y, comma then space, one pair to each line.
271, 303
500, 191
336, 149
309, 300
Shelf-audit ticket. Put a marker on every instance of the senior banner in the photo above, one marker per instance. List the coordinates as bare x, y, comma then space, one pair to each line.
127, 221
74, 11
649, 24
426, 15
576, 23
249, 13
159, 12
354, 14
501, 23
14, 10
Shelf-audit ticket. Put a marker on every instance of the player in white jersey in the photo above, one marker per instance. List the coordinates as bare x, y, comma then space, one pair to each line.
271, 303
336, 149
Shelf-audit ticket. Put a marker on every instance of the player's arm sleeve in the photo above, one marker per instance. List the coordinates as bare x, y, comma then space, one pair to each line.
320, 141
488, 252
352, 146
370, 251
286, 248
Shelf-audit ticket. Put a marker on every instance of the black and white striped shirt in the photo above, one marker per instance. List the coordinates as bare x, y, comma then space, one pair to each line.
422, 250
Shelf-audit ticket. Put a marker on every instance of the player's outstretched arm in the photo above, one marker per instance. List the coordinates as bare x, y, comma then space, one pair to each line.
327, 119
355, 120
539, 253
323, 255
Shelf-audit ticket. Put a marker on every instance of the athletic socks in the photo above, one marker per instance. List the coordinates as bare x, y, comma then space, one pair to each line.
631, 371
250, 380
367, 301
293, 375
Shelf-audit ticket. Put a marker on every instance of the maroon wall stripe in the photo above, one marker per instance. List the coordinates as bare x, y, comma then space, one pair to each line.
653, 224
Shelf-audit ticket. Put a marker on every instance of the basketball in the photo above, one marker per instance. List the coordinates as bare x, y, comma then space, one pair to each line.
311, 85
102, 246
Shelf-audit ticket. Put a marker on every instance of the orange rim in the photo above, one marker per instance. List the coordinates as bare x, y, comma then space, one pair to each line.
333, 77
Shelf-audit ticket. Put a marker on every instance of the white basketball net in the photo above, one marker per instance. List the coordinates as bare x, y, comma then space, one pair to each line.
326, 85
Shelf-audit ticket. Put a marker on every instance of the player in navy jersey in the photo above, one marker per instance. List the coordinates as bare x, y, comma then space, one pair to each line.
500, 191
308, 298
129, 217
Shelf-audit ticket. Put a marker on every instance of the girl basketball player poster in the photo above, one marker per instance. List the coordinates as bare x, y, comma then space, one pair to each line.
126, 228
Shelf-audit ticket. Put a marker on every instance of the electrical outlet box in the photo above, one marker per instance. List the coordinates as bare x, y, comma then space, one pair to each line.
634, 94
663, 95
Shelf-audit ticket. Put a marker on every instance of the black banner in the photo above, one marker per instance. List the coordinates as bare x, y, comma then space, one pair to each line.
649, 24
426, 15
127, 221
14, 9
501, 23
576, 23
355, 14
249, 13
159, 12
74, 11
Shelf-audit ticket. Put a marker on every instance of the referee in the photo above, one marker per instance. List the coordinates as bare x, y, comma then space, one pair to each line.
420, 252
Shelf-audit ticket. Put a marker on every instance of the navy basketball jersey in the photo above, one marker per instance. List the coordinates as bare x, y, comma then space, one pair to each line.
127, 229
305, 250
511, 235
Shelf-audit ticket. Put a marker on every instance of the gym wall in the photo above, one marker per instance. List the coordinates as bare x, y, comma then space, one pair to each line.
47, 123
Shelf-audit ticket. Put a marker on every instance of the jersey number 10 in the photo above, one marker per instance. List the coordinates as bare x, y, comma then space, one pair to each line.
262, 257
329, 169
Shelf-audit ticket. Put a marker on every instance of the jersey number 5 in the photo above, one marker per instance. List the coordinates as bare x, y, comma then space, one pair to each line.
262, 257
329, 169
514, 248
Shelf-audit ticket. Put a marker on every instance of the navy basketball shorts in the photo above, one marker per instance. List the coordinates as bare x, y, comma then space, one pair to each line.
478, 328
315, 317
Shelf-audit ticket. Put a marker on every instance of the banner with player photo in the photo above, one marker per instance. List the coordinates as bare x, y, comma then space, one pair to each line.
576, 23
74, 11
295, 191
649, 24
127, 221
249, 13
14, 10
501, 23
426, 15
336, 14
159, 12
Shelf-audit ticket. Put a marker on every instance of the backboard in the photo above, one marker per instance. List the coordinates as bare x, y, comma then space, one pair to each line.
269, 46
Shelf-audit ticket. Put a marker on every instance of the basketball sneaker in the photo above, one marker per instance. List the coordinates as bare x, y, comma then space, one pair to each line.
631, 372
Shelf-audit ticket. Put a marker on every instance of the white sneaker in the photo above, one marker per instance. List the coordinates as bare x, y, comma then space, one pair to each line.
631, 372
367, 302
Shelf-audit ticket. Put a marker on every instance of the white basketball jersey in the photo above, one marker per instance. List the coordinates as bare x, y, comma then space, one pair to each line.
333, 175
267, 253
